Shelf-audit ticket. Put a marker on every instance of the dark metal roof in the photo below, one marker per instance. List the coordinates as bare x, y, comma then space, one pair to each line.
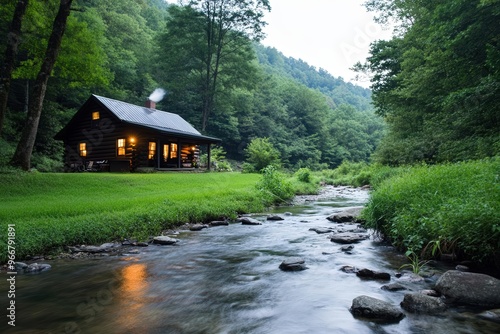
152, 118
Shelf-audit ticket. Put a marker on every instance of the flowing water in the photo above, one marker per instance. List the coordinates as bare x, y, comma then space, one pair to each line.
226, 280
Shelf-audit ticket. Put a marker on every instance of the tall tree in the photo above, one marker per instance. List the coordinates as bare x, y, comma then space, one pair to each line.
437, 81
218, 32
22, 156
6, 69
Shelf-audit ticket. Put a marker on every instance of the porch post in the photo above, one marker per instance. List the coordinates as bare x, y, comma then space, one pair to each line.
208, 157
159, 151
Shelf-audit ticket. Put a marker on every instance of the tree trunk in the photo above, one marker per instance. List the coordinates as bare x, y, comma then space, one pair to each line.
22, 156
13, 38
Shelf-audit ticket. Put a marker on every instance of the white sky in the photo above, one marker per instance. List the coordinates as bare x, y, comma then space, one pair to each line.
331, 34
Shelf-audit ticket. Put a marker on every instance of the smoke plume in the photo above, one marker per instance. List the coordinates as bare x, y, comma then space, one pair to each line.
157, 95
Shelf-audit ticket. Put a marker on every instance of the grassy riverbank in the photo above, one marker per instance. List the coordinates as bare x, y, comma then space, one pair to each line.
53, 210
451, 208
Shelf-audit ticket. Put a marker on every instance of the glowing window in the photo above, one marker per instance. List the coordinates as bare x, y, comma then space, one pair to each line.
173, 151
83, 149
152, 150
96, 116
120, 144
165, 152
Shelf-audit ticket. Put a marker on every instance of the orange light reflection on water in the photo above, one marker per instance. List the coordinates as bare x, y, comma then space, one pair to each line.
132, 295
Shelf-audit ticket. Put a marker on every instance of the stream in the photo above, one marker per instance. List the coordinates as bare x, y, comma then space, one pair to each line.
226, 280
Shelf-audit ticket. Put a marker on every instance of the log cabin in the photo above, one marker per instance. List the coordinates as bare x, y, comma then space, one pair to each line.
115, 136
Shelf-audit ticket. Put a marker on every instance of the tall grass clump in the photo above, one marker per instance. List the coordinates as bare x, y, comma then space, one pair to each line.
304, 182
274, 186
456, 206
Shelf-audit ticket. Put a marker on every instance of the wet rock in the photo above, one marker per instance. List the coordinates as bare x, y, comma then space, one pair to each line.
20, 266
293, 264
410, 277
462, 268
142, 244
347, 216
349, 269
275, 217
197, 227
431, 293
370, 274
347, 248
219, 223
469, 288
37, 267
348, 238
491, 315
322, 230
393, 287
164, 240
288, 214
420, 303
374, 309
249, 221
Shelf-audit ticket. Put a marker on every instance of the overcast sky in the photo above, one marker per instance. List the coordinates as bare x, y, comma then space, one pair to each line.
331, 34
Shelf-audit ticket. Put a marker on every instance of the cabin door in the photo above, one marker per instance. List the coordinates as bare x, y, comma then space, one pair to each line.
169, 155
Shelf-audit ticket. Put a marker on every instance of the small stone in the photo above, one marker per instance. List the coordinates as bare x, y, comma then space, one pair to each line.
348, 238
293, 264
490, 315
321, 230
349, 269
36, 268
367, 273
393, 287
164, 240
20, 266
197, 227
249, 221
275, 217
347, 248
219, 223
462, 268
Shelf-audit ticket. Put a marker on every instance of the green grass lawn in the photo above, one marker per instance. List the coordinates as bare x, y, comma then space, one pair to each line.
53, 210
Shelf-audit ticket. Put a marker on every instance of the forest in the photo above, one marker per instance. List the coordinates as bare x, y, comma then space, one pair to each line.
228, 85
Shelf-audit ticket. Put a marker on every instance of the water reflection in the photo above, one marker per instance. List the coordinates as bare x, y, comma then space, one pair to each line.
132, 295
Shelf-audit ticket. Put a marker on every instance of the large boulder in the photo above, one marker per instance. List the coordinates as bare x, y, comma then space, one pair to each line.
374, 309
469, 288
420, 303
346, 216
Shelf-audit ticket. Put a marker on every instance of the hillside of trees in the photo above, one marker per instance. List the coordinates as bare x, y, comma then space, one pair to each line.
437, 81
228, 86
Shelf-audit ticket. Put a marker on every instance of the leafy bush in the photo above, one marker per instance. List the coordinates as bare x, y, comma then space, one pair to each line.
217, 159
261, 153
303, 175
275, 186
46, 164
457, 205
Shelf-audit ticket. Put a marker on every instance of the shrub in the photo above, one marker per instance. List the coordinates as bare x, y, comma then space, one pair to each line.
261, 153
303, 175
274, 185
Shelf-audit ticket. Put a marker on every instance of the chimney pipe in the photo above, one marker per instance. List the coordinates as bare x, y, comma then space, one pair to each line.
150, 104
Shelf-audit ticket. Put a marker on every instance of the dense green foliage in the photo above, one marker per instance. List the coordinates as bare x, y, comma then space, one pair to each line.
125, 49
275, 186
115, 206
454, 205
437, 81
